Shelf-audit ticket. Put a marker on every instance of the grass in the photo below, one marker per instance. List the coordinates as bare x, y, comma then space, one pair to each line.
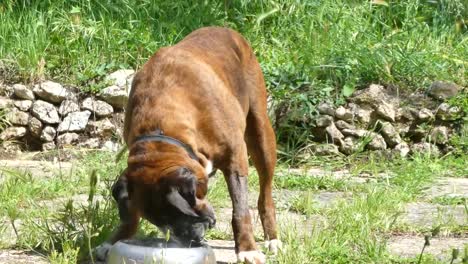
352, 230
334, 44
310, 51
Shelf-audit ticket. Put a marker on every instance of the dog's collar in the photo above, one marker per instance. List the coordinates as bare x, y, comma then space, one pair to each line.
159, 136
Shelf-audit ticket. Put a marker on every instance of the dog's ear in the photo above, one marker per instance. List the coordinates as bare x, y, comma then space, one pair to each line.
182, 192
120, 192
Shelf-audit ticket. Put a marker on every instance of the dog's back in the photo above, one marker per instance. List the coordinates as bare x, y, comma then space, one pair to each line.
212, 72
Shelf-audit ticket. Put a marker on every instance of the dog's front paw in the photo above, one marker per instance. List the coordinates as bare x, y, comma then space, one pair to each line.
102, 250
251, 257
274, 246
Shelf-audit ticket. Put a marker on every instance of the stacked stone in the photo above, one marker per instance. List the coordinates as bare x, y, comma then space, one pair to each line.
51, 115
373, 119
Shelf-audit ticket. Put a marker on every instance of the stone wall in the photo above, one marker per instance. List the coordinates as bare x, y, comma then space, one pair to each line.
48, 115
377, 118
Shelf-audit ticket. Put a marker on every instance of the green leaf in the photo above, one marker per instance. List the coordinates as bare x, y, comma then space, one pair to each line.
348, 90
75, 10
262, 17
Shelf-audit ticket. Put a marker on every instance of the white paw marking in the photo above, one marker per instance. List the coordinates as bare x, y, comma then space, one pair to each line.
209, 167
102, 250
274, 245
251, 257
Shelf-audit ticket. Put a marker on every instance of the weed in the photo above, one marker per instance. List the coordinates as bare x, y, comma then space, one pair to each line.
51, 219
310, 183
305, 204
309, 51
449, 200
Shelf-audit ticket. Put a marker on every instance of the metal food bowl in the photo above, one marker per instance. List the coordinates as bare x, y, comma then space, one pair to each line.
158, 251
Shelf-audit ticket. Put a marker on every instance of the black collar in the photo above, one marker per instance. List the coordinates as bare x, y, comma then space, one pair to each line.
159, 136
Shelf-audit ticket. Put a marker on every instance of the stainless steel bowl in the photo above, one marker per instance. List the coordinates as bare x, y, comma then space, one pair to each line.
158, 251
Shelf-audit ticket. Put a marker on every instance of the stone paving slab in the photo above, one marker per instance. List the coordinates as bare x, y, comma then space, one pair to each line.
421, 214
411, 246
284, 198
44, 169
224, 216
21, 257
335, 175
449, 187
224, 251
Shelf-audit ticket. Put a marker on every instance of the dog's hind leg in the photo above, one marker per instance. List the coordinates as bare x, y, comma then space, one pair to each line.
261, 145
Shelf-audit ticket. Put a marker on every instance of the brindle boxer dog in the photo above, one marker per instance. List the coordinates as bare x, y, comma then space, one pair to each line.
198, 105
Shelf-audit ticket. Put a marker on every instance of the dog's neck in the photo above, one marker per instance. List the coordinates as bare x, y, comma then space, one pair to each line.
158, 136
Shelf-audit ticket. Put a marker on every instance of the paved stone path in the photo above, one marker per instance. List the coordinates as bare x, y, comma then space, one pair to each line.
421, 214
12, 256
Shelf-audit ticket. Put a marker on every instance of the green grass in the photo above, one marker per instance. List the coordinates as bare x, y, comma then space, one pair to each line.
449, 200
310, 51
324, 43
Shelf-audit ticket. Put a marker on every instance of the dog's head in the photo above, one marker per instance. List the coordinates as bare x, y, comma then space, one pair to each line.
170, 193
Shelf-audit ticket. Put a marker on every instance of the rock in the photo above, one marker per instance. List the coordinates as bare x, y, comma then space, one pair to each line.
402, 149
326, 109
102, 128
48, 134
386, 111
390, 134
344, 114
118, 120
17, 117
23, 92
52, 92
425, 114
75, 121
355, 132
35, 127
13, 148
402, 129
373, 96
92, 143
442, 90
340, 124
363, 115
110, 146
5, 102
67, 139
6, 90
23, 105
324, 121
405, 114
100, 108
326, 149
448, 113
114, 95
48, 146
439, 135
120, 78
68, 106
425, 148
334, 134
45, 112
12, 133
349, 146
130, 82
377, 142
